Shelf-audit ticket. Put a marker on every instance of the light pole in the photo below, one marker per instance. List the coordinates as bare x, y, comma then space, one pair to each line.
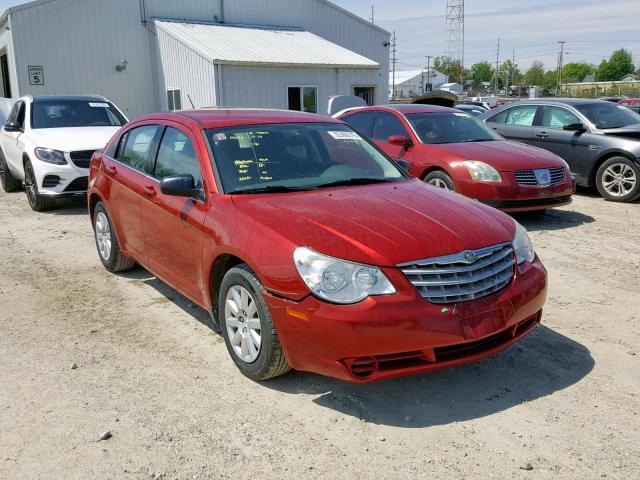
429, 57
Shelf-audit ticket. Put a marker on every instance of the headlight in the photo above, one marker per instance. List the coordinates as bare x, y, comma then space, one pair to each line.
339, 281
522, 245
481, 172
50, 156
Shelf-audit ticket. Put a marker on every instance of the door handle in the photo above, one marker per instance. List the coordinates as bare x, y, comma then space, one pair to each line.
110, 170
149, 191
542, 135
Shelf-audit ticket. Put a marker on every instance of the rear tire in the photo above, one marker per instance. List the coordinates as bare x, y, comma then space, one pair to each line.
247, 326
618, 180
108, 247
440, 179
37, 202
9, 182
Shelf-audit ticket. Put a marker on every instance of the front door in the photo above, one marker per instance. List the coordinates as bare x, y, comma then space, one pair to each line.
11, 141
173, 225
388, 125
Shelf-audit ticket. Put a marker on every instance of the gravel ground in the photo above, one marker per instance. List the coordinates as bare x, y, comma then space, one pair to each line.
84, 352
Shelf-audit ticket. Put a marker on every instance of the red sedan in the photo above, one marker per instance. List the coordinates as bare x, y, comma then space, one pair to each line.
309, 247
450, 149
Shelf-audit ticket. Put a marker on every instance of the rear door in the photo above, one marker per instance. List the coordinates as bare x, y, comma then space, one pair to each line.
128, 175
388, 125
572, 146
173, 225
515, 123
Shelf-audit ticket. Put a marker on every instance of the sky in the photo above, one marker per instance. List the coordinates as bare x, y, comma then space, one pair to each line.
591, 28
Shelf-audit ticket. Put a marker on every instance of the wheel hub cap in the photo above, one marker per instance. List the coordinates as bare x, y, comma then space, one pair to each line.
619, 180
243, 324
103, 236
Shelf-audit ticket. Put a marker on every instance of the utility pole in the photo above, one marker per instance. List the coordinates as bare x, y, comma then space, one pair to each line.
394, 62
429, 57
560, 66
497, 67
372, 13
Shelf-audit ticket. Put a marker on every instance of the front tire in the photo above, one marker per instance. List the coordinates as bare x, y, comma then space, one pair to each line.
618, 180
440, 179
37, 202
9, 182
108, 247
247, 326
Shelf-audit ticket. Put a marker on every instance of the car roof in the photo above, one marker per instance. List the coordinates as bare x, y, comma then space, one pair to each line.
54, 98
404, 108
553, 101
226, 117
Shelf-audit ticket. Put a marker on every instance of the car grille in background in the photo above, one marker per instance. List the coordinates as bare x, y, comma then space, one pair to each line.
80, 184
82, 158
528, 177
464, 276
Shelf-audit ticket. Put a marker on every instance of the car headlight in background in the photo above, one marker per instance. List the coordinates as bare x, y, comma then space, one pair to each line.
339, 281
482, 172
522, 245
50, 156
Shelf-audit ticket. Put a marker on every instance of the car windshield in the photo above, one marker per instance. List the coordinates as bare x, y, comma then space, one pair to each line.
450, 127
290, 157
608, 115
74, 113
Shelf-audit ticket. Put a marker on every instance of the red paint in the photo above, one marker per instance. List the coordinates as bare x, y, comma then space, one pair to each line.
179, 240
505, 156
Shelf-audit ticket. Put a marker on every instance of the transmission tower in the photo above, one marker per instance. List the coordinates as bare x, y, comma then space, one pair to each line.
455, 36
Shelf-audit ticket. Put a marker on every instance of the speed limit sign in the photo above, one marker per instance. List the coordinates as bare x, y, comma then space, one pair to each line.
36, 75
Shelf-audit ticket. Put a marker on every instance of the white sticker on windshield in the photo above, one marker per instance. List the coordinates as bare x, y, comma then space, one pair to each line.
98, 105
345, 135
219, 137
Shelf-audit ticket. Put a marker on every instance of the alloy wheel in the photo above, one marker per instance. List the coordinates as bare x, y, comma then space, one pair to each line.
103, 236
3, 173
619, 180
30, 186
437, 182
243, 323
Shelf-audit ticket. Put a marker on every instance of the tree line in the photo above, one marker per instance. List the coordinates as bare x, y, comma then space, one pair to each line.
613, 69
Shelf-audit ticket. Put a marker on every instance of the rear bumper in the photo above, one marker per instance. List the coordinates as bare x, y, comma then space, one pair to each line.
402, 334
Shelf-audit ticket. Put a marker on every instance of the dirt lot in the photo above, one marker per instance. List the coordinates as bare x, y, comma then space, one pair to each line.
562, 404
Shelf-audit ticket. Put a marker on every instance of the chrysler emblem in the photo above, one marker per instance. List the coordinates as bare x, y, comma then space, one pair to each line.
470, 257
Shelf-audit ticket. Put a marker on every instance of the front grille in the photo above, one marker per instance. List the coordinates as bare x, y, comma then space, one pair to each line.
80, 184
464, 276
82, 158
528, 177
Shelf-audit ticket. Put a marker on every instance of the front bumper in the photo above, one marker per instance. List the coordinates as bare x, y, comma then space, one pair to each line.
60, 180
509, 196
402, 334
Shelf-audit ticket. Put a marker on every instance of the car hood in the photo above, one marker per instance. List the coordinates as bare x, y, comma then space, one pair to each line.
71, 139
503, 155
385, 224
630, 131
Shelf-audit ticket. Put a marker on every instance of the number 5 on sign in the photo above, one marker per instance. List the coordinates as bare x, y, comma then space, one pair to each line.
36, 75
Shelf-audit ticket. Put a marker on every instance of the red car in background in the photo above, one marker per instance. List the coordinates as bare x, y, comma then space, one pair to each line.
632, 104
309, 247
450, 149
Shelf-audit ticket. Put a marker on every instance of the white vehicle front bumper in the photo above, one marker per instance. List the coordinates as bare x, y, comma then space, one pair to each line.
61, 180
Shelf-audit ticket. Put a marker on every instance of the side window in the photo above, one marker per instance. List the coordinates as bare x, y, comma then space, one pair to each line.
174, 99
361, 122
13, 116
522, 116
387, 125
177, 156
303, 99
136, 148
555, 117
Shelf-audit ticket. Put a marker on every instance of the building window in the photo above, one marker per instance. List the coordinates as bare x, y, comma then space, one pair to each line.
366, 93
174, 99
303, 99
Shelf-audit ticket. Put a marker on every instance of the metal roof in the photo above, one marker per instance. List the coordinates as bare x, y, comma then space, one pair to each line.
262, 46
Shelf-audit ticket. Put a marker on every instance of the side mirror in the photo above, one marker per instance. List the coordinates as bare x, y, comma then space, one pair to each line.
12, 127
180, 186
575, 127
404, 164
399, 140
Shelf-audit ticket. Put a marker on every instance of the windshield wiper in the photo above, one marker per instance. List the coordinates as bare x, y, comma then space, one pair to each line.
481, 140
356, 181
269, 189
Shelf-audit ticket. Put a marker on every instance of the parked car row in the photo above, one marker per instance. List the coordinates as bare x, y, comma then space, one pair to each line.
311, 248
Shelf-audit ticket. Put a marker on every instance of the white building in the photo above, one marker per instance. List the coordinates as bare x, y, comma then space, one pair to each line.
150, 55
453, 87
412, 83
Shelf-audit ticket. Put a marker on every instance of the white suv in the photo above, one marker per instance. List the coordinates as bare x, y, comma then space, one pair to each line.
48, 142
